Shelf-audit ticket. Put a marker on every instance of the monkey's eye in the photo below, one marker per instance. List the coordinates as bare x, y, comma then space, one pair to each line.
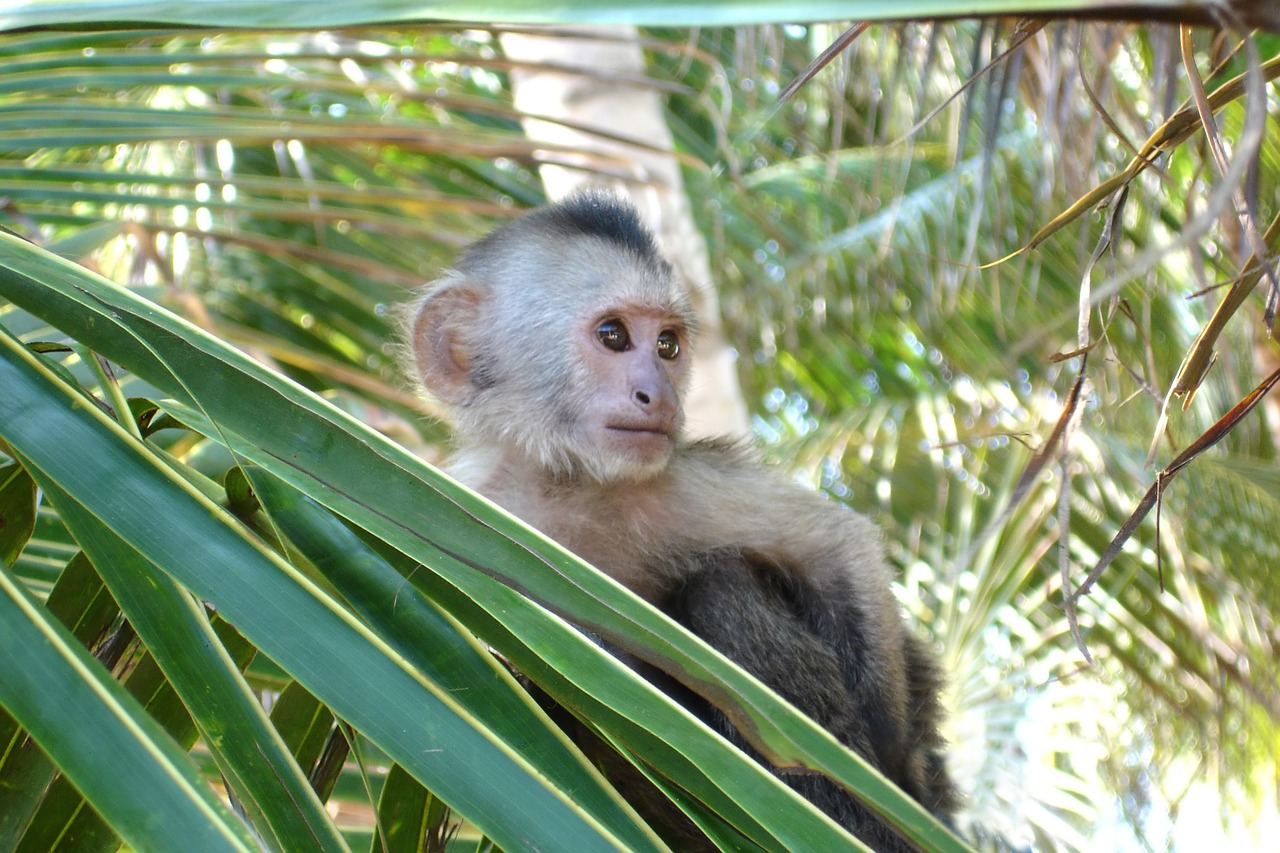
668, 345
614, 335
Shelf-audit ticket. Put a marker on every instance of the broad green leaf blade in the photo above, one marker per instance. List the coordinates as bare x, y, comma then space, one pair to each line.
248, 752
97, 735
80, 601
446, 653
409, 818
17, 511
307, 727
65, 822
387, 491
328, 650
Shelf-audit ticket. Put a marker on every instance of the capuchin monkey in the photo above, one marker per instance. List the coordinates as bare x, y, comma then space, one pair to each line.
560, 344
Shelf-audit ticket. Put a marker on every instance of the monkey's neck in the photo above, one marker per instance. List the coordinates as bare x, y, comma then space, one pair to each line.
613, 526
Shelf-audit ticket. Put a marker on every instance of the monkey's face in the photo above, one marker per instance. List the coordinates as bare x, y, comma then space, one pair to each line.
632, 366
593, 359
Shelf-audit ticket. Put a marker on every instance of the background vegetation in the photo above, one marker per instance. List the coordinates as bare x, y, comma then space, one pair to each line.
280, 190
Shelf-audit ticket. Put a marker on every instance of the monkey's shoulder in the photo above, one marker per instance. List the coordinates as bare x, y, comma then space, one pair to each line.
734, 499
732, 476
720, 454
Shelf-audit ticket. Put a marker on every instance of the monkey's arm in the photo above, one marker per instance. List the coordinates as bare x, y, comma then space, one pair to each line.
821, 562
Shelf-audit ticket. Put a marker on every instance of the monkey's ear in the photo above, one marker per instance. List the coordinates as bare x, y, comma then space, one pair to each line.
442, 332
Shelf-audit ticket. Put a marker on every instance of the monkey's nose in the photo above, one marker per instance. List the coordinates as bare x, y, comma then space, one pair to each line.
642, 398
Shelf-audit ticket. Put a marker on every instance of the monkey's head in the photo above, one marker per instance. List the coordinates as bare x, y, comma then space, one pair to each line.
561, 340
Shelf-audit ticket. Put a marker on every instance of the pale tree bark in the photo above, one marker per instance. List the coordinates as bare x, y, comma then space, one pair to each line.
593, 80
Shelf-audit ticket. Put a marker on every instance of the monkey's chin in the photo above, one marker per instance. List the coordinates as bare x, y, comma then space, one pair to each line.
634, 454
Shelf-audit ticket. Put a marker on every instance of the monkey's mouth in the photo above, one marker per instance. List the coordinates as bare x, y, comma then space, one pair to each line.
641, 430
646, 441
